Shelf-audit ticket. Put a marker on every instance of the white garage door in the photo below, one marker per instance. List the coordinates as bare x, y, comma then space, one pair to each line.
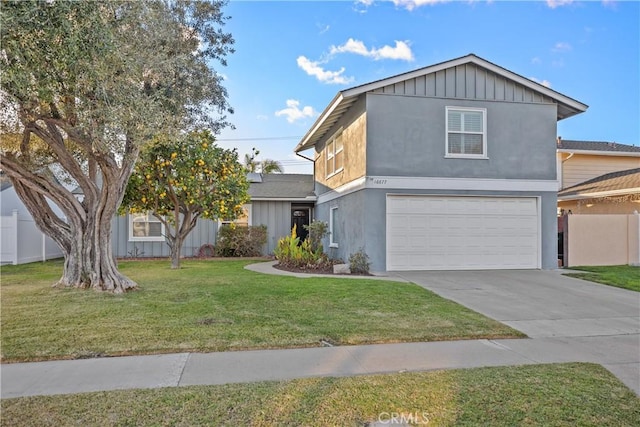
447, 233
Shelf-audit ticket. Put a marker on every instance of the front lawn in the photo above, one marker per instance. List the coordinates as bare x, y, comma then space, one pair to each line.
621, 276
216, 306
575, 394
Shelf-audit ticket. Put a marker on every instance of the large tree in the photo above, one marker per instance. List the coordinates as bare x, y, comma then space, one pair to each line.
181, 179
85, 84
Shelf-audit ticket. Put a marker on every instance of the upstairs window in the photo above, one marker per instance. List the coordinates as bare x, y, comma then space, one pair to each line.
335, 155
466, 132
144, 227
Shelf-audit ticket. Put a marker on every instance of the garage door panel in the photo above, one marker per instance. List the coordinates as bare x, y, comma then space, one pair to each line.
461, 232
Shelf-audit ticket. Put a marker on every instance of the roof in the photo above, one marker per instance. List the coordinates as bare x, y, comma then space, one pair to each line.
276, 186
601, 147
345, 99
611, 184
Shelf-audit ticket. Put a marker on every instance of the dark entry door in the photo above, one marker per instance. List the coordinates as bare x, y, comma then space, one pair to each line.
300, 218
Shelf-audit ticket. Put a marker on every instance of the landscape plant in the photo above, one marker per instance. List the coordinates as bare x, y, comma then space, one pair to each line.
85, 85
235, 241
291, 252
359, 262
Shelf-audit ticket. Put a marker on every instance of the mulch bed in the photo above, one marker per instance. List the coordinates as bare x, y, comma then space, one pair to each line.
320, 270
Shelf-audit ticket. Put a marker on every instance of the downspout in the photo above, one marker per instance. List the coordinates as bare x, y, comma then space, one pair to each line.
313, 213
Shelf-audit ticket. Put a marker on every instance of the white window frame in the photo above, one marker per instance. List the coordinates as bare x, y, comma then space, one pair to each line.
149, 218
483, 133
332, 153
332, 243
248, 207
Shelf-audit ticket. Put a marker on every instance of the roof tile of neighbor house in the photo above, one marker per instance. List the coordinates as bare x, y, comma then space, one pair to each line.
283, 186
626, 181
597, 146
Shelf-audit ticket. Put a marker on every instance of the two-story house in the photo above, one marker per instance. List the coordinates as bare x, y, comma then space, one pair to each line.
451, 166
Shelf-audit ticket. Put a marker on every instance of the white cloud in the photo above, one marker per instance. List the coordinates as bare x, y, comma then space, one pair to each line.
536, 60
313, 68
412, 4
262, 117
562, 47
401, 51
545, 83
557, 3
293, 111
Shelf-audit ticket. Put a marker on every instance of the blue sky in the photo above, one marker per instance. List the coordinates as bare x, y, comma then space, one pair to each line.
293, 57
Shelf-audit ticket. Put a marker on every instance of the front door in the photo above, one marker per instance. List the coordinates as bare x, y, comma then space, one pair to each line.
300, 218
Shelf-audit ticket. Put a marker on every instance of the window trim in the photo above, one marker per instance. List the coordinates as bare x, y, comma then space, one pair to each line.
150, 218
484, 154
249, 209
332, 154
332, 243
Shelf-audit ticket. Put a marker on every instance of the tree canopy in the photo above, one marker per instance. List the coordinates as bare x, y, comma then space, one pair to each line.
84, 86
182, 179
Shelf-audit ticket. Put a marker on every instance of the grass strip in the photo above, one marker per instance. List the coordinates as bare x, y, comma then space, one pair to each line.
620, 276
534, 395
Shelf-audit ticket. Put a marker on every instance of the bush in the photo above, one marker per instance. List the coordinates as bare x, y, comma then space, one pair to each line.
318, 230
359, 262
293, 254
236, 241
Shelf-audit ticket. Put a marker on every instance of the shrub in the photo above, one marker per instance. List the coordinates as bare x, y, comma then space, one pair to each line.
318, 230
293, 254
236, 241
359, 262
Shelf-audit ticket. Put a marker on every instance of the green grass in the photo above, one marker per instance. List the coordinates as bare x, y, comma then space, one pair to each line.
536, 395
216, 306
620, 276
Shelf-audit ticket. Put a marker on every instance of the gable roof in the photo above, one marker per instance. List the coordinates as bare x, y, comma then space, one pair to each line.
610, 184
567, 107
598, 147
276, 186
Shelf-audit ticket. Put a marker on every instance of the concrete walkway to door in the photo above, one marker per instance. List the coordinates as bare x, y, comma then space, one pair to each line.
575, 319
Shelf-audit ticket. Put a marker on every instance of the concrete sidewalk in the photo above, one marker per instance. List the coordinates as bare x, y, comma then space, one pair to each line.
568, 321
184, 369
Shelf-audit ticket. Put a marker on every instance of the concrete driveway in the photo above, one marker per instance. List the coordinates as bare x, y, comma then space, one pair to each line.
580, 320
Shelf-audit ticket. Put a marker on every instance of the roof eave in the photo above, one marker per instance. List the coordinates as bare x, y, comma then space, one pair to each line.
600, 153
598, 194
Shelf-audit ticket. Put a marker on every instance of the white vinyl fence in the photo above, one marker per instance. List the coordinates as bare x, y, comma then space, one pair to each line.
22, 242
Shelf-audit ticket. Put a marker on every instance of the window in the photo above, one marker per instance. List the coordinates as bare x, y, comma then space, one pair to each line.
466, 132
335, 155
333, 228
243, 220
144, 227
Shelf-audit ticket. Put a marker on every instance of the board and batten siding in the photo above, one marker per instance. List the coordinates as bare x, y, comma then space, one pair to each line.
467, 81
580, 167
204, 233
276, 215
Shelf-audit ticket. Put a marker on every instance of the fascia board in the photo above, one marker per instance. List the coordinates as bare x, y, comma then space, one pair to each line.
600, 153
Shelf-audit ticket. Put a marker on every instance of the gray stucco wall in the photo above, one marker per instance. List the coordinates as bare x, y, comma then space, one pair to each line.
362, 222
351, 225
406, 137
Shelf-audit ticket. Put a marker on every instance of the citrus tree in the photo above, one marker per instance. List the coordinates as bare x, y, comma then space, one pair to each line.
180, 180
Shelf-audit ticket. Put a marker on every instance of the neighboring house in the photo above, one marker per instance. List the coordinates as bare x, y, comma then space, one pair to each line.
277, 201
450, 166
20, 239
598, 177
